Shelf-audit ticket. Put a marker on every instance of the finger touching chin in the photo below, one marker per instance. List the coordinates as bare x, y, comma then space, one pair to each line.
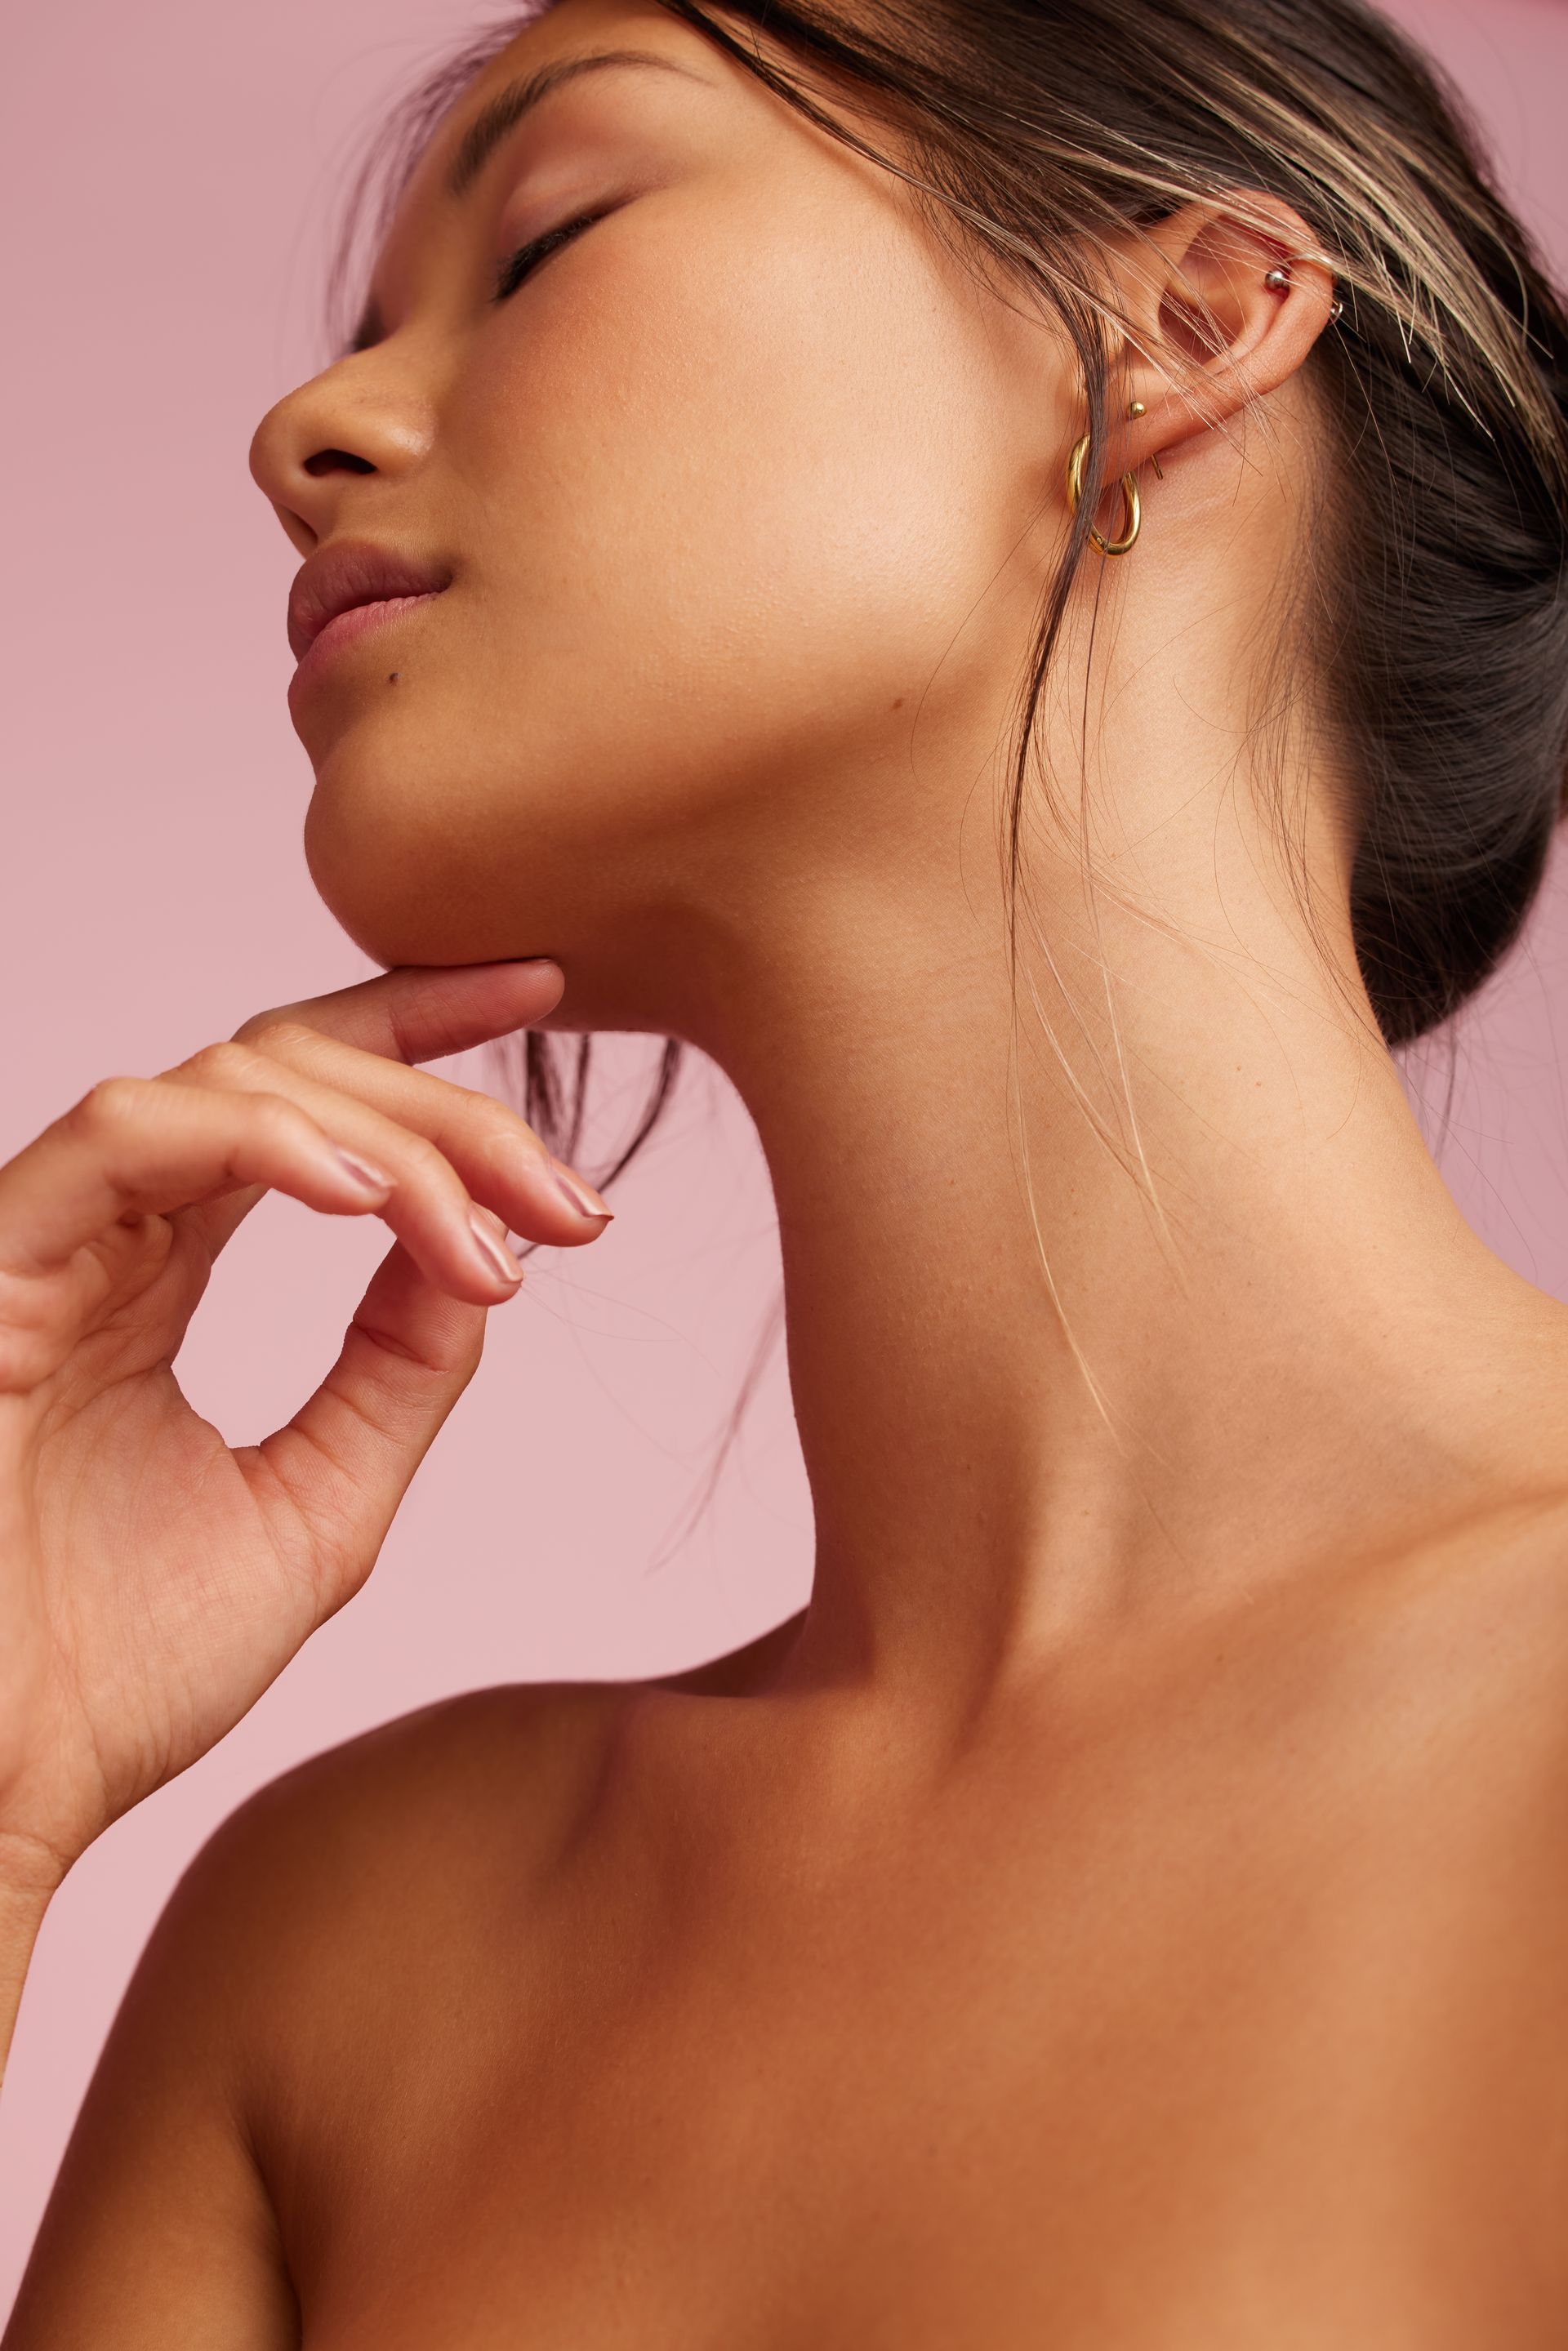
422, 1012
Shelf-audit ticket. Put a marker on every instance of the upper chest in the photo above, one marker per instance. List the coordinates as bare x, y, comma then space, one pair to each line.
1174, 2054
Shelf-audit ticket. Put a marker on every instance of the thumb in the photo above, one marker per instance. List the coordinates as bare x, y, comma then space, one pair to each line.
330, 1483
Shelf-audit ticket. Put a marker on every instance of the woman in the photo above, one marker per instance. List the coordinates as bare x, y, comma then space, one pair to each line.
998, 568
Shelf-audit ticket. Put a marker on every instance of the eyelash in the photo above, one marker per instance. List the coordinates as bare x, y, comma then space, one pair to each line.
527, 258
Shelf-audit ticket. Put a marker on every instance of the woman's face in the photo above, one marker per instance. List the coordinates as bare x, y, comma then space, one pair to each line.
727, 491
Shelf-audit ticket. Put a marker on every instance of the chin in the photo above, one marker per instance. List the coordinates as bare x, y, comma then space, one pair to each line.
409, 854
433, 843
391, 868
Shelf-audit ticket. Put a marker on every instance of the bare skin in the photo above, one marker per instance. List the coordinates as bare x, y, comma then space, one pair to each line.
1127, 1910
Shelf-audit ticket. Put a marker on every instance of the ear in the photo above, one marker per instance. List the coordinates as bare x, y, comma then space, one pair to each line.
1206, 331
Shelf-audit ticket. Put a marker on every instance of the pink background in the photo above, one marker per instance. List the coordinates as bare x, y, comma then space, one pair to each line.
173, 169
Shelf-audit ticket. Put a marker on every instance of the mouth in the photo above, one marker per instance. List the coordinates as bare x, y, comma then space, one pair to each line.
342, 591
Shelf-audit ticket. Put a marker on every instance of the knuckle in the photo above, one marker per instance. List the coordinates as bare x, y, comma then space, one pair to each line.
425, 1162
224, 1063
281, 1039
258, 1022
501, 1133
274, 1116
109, 1107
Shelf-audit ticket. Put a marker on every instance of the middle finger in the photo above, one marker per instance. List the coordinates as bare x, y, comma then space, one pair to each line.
498, 1154
444, 1144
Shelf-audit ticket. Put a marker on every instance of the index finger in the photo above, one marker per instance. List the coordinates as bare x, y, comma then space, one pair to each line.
421, 1012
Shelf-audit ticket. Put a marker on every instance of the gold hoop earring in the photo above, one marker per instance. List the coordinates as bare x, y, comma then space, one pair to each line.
1133, 514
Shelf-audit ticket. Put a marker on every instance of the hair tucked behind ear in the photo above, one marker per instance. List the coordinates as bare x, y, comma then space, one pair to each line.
1436, 610
1439, 610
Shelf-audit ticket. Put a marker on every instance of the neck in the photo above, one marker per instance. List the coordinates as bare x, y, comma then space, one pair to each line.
1122, 1283
1072, 1345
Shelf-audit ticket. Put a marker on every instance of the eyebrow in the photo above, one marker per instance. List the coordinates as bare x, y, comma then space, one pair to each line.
496, 121
506, 109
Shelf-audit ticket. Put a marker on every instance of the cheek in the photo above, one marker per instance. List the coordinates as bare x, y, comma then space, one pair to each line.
723, 513
730, 486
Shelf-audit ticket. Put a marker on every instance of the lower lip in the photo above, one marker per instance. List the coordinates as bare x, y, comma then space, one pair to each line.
344, 627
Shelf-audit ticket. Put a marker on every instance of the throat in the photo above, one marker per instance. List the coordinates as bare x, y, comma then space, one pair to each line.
1063, 1353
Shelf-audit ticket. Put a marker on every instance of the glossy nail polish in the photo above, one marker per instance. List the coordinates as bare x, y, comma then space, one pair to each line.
582, 1197
495, 1255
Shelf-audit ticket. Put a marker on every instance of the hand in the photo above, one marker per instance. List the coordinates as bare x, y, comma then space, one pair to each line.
152, 1581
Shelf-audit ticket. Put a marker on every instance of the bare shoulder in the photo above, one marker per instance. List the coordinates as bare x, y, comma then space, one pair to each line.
284, 1967
318, 1901
380, 1844
516, 1750
1449, 1665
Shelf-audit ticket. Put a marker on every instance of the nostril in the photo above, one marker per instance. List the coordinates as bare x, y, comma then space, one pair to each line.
333, 461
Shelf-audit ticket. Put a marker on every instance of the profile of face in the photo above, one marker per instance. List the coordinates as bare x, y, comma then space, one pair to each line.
744, 492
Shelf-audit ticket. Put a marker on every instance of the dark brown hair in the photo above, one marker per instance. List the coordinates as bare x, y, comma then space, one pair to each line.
1434, 610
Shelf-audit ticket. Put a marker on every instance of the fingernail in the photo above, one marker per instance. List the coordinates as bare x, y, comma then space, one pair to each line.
364, 1171
498, 1259
582, 1197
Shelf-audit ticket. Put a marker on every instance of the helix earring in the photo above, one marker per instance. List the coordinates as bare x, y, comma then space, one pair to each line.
1133, 511
1278, 281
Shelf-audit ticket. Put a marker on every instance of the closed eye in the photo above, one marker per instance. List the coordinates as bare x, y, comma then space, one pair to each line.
527, 258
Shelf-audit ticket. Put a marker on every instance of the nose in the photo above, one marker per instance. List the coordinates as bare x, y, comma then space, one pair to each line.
329, 441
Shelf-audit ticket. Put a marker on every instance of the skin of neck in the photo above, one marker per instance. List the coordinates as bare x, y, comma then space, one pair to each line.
1121, 1290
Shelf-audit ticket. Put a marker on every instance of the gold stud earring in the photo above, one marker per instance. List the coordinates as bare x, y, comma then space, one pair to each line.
1135, 408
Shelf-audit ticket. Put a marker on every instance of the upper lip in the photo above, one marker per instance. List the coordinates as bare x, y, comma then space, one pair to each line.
335, 579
